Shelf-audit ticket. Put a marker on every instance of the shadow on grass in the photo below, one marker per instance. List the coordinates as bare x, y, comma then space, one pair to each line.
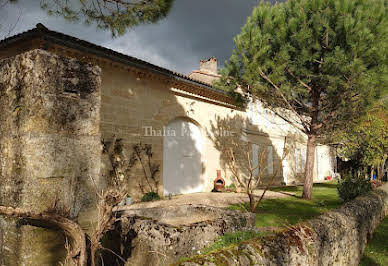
292, 210
286, 189
332, 184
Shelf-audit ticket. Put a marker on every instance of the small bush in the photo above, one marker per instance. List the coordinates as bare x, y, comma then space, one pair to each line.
349, 188
231, 186
150, 196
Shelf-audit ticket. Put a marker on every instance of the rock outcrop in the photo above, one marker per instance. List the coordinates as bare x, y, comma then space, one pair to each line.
160, 236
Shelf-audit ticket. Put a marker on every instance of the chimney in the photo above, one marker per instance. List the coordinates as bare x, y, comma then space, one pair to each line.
209, 66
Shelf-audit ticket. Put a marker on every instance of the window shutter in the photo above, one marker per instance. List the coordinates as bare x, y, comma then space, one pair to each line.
297, 161
303, 157
250, 111
270, 160
255, 158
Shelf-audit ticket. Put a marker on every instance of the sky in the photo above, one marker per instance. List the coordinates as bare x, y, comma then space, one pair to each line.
193, 30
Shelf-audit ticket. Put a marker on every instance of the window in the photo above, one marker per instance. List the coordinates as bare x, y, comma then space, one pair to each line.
297, 160
250, 112
255, 158
257, 150
270, 160
303, 158
300, 160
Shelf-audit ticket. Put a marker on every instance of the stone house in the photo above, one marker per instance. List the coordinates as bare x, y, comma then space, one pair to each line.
61, 96
141, 102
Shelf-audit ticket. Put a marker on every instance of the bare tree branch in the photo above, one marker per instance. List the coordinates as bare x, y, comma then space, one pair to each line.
78, 251
279, 91
299, 80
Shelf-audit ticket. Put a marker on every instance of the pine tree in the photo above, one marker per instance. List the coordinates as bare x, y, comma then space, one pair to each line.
114, 15
323, 60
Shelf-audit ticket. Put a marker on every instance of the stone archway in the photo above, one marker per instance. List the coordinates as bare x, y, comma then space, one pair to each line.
182, 149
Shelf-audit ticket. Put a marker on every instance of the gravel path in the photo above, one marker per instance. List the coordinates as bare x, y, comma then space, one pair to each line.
204, 198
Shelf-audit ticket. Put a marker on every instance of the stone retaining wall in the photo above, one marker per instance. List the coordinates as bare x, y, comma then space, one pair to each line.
160, 236
335, 238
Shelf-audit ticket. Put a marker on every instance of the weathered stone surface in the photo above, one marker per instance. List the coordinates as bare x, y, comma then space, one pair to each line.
49, 147
335, 238
147, 241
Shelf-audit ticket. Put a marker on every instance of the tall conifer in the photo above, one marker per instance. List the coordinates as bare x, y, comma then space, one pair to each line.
325, 60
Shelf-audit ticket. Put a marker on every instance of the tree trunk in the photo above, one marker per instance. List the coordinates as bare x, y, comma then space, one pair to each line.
78, 252
252, 202
381, 168
309, 168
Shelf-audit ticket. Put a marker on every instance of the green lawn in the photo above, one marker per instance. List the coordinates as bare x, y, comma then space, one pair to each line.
274, 214
376, 252
291, 210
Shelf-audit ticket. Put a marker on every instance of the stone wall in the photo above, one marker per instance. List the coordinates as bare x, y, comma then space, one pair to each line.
50, 146
131, 102
335, 238
160, 236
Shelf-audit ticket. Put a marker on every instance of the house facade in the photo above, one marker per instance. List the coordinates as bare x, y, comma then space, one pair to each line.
176, 115
61, 98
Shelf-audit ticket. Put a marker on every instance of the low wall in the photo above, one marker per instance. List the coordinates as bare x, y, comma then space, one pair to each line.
160, 236
335, 238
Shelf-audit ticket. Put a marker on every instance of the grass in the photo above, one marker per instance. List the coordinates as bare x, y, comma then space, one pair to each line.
291, 210
376, 252
273, 214
229, 239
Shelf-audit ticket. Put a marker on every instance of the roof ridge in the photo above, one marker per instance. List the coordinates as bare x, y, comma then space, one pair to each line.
42, 30
205, 73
